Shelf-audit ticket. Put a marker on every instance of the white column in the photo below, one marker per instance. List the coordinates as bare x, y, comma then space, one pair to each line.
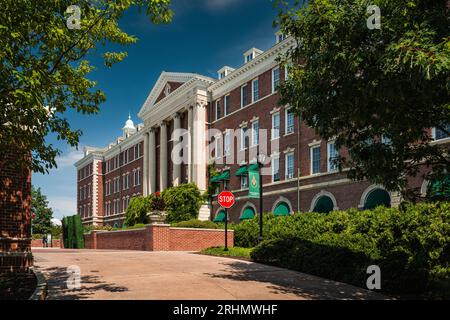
199, 150
163, 157
190, 143
176, 140
152, 162
146, 165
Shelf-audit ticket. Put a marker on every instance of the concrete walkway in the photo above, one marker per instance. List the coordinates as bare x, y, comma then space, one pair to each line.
180, 275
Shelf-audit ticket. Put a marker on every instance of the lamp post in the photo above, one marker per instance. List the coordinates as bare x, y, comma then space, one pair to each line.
260, 161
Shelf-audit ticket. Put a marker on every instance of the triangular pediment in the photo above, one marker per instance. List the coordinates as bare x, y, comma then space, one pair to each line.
167, 83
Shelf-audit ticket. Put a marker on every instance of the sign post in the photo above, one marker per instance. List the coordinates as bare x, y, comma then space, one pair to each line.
226, 200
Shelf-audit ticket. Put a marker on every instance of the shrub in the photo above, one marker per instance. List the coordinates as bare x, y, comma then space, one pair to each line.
411, 246
137, 210
89, 229
157, 202
182, 202
194, 223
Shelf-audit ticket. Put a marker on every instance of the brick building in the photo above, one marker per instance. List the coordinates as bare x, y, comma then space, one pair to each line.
192, 121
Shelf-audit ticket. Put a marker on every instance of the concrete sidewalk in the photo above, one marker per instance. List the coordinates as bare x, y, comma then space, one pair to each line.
180, 275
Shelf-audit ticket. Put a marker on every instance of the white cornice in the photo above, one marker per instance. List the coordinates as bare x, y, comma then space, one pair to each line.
252, 69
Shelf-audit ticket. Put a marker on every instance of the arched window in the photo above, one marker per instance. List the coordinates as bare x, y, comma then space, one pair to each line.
220, 217
377, 197
324, 204
247, 214
282, 209
438, 188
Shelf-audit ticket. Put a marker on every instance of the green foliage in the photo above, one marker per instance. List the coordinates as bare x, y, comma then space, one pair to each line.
235, 252
44, 71
137, 210
411, 246
182, 202
39, 206
73, 232
89, 229
157, 202
194, 223
356, 85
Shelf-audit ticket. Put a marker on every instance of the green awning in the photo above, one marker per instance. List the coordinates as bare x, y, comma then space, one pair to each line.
324, 205
282, 209
248, 213
253, 167
377, 197
439, 189
243, 171
221, 177
220, 217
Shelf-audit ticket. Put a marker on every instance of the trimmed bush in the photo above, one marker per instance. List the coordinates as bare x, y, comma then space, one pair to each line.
194, 223
182, 202
137, 210
73, 232
411, 246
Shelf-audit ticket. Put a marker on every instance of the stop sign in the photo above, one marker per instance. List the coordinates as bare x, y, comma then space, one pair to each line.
226, 199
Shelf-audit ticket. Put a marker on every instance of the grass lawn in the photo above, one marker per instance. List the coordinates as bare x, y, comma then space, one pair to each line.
234, 252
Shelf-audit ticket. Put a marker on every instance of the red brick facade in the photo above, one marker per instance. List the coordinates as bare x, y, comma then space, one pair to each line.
15, 217
158, 238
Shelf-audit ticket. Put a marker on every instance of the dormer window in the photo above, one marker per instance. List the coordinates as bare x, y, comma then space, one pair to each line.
225, 71
251, 54
280, 36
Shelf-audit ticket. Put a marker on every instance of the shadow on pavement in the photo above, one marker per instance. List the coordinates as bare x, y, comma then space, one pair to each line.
57, 283
283, 281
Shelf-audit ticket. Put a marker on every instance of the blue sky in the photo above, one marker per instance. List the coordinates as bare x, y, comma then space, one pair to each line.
204, 36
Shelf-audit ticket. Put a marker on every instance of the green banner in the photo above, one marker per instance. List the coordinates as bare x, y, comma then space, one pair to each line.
253, 184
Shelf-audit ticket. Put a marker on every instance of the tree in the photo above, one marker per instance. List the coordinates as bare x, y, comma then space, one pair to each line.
43, 214
375, 91
182, 202
44, 71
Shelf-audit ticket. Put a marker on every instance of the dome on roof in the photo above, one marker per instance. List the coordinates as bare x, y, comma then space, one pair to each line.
129, 124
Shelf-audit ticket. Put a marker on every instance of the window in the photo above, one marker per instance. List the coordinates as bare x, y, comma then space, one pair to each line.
290, 125
275, 125
139, 150
333, 154
89, 210
227, 143
439, 134
244, 96
255, 90
89, 190
248, 57
81, 193
275, 79
289, 165
275, 168
138, 172
226, 105
244, 138
315, 160
218, 111
244, 182
280, 37
80, 212
255, 133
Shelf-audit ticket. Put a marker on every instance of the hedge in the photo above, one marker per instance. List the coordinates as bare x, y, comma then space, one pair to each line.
194, 223
411, 246
73, 232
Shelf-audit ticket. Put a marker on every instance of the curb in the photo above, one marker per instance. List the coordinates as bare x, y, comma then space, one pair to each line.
40, 293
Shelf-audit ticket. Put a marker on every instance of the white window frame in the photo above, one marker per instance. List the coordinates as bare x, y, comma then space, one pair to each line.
227, 143
255, 133
244, 132
273, 135
311, 159
253, 90
275, 158
286, 165
286, 127
217, 104
275, 87
244, 185
226, 105
244, 88
331, 144
138, 172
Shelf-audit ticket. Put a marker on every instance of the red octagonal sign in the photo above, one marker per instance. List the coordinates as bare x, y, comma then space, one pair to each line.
226, 199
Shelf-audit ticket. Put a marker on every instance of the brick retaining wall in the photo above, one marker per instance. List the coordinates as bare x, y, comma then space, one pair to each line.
158, 237
37, 243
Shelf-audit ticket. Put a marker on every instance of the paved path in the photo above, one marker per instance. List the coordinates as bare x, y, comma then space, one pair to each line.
180, 275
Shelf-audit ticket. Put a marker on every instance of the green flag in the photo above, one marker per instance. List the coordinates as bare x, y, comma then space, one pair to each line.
253, 181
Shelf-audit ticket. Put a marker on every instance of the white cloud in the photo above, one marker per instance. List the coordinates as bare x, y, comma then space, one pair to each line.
62, 206
69, 159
